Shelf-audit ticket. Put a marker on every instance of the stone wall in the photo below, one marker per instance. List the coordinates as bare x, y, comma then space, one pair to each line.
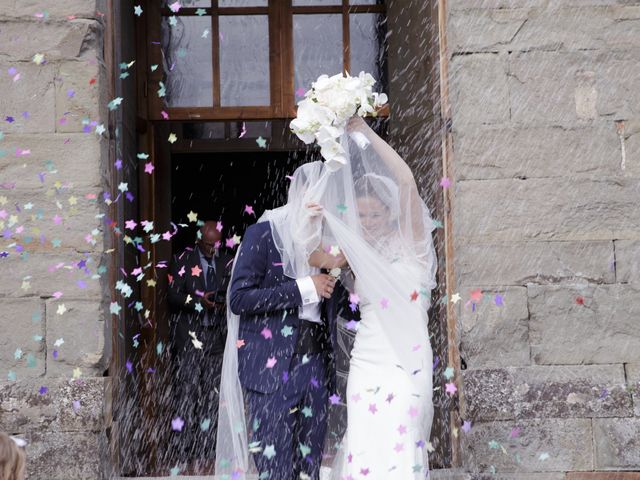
51, 317
546, 125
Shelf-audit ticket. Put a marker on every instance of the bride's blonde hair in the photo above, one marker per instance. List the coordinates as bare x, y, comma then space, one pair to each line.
12, 459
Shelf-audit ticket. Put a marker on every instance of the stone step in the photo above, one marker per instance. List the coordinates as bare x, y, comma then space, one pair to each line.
446, 474
449, 474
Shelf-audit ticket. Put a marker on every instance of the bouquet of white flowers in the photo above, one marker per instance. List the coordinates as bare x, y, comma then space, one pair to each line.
324, 112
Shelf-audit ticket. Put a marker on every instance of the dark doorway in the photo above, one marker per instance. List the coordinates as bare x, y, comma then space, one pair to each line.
198, 173
220, 185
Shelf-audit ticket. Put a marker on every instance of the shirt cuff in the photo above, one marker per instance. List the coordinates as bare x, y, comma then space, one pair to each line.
307, 290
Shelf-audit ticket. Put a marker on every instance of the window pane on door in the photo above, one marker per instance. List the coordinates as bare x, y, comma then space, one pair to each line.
201, 130
186, 44
250, 129
325, 3
366, 2
243, 3
186, 3
367, 44
317, 48
301, 3
244, 60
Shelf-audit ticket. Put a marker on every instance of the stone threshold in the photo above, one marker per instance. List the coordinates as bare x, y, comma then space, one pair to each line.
603, 476
453, 474
450, 474
446, 474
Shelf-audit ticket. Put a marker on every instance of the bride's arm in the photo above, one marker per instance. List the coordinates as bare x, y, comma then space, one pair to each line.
389, 156
410, 200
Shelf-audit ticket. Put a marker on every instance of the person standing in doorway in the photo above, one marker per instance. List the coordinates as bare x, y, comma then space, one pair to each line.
199, 278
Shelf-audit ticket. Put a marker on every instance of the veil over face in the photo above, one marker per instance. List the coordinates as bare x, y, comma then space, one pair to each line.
373, 213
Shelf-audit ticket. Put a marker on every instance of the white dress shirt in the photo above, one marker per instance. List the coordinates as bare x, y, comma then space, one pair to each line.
310, 309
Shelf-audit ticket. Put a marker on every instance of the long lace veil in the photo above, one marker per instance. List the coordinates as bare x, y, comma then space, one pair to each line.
374, 215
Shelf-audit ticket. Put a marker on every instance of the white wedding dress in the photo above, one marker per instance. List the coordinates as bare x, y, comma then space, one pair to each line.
389, 410
373, 212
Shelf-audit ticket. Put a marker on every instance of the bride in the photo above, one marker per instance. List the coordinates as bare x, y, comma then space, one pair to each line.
366, 217
389, 387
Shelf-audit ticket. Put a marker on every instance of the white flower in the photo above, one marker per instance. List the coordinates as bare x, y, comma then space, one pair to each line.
379, 99
311, 116
366, 79
328, 133
327, 107
334, 155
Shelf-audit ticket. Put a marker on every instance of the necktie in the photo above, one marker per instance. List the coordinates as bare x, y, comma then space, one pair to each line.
211, 275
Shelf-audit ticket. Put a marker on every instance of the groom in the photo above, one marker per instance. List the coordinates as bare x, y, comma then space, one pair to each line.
286, 340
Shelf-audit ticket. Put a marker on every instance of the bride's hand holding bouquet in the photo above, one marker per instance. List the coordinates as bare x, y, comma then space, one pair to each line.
327, 108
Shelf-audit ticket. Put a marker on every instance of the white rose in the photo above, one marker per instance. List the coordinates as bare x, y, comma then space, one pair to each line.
302, 130
366, 79
379, 99
334, 155
328, 133
321, 83
310, 117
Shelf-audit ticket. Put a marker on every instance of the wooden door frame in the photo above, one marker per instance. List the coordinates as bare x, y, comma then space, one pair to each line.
148, 128
453, 335
280, 14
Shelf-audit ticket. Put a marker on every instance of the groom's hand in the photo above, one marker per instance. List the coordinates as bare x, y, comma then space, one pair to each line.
324, 284
314, 209
208, 300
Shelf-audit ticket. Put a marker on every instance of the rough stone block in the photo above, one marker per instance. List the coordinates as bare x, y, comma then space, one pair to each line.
627, 261
520, 263
23, 330
633, 384
579, 27
520, 476
573, 88
76, 220
495, 335
20, 40
632, 148
449, 474
70, 158
546, 392
595, 3
474, 30
518, 446
490, 4
67, 405
479, 90
30, 100
76, 97
484, 153
493, 211
544, 87
603, 476
50, 273
64, 455
616, 80
584, 324
617, 443
82, 328
59, 8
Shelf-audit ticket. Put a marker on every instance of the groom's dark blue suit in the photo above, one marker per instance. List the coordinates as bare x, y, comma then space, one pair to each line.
287, 394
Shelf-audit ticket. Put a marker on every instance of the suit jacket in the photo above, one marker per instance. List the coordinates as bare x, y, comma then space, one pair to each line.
267, 302
184, 284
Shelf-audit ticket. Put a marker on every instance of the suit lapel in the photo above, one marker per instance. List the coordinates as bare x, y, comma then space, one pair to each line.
221, 269
194, 261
